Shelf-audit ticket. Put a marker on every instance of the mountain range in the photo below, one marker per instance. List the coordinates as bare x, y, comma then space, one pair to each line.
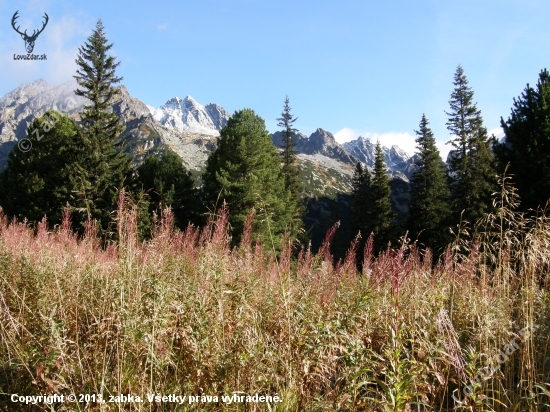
191, 130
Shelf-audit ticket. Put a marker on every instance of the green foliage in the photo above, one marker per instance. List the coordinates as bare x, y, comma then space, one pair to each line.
169, 184
429, 207
472, 173
289, 167
245, 172
37, 183
527, 146
288, 155
380, 214
371, 211
185, 313
360, 203
103, 171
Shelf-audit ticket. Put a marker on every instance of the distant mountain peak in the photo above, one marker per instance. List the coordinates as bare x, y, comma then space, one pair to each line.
189, 115
397, 160
320, 142
39, 82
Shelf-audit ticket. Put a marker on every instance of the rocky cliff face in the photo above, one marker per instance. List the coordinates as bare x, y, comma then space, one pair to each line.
143, 134
398, 162
191, 130
320, 142
21, 106
187, 115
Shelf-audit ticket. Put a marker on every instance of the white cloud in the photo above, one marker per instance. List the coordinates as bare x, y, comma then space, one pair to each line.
443, 148
162, 26
59, 50
345, 135
59, 41
497, 131
402, 139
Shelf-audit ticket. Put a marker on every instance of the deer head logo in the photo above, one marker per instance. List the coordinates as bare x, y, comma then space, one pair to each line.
29, 40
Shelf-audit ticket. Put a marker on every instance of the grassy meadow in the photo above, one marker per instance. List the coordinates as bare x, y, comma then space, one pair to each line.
183, 313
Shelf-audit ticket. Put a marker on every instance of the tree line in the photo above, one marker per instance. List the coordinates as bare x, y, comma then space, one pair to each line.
448, 195
80, 167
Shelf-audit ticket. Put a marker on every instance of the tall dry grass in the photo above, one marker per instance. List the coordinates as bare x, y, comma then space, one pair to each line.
183, 313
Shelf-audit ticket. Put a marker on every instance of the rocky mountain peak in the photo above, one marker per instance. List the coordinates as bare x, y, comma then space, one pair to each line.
189, 115
218, 115
322, 137
128, 107
319, 142
398, 153
398, 162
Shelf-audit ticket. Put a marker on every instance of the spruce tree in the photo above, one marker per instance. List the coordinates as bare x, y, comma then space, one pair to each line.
360, 204
527, 144
360, 201
37, 183
379, 214
472, 173
288, 154
245, 172
289, 167
429, 199
104, 169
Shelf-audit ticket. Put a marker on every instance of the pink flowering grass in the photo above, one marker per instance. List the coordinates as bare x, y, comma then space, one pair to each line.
185, 313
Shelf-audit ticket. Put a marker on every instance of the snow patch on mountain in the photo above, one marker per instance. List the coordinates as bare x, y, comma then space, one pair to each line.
190, 116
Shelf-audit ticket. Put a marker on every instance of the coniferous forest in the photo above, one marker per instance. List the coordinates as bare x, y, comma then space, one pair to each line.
122, 279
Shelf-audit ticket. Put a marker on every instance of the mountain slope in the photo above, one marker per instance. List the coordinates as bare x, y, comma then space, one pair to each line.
398, 162
319, 142
143, 134
191, 130
188, 115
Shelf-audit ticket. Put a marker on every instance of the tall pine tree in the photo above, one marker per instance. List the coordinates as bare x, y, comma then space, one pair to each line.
360, 201
245, 172
360, 205
527, 145
289, 167
104, 169
288, 155
472, 173
379, 214
429, 201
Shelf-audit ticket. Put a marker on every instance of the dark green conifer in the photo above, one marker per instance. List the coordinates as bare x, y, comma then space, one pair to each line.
288, 155
380, 215
472, 173
37, 182
360, 204
360, 201
245, 172
527, 144
429, 201
104, 169
289, 168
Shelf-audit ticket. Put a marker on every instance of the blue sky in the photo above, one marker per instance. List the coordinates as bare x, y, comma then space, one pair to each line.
349, 67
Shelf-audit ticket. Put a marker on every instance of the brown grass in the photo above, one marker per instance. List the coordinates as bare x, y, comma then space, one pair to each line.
185, 314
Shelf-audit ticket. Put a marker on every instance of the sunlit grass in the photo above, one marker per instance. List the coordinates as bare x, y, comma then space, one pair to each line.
185, 314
